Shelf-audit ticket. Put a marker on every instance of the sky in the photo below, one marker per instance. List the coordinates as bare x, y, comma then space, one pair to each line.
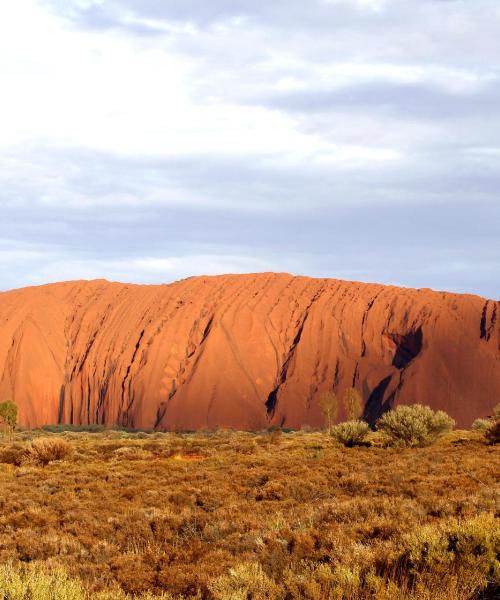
149, 140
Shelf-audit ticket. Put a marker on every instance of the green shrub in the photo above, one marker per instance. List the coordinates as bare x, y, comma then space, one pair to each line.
350, 433
320, 580
61, 428
8, 416
468, 548
246, 580
414, 425
32, 581
481, 424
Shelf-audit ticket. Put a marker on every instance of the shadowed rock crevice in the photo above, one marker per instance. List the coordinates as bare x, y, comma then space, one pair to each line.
376, 405
272, 398
487, 325
61, 405
128, 395
363, 323
482, 325
408, 347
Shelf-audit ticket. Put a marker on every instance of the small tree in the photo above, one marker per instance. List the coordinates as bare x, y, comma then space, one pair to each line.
329, 407
414, 425
8, 416
353, 404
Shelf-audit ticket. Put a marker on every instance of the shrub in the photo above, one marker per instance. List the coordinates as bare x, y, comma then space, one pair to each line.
490, 427
31, 581
34, 582
61, 428
481, 424
12, 455
414, 425
469, 548
350, 433
493, 431
246, 580
46, 450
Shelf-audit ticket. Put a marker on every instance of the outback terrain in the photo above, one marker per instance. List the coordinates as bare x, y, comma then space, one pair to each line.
242, 351
231, 516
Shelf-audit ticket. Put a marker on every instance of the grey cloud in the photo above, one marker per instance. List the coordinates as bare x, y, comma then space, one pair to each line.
199, 12
414, 100
368, 228
430, 29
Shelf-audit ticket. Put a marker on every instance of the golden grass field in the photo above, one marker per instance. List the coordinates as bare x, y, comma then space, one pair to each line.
231, 515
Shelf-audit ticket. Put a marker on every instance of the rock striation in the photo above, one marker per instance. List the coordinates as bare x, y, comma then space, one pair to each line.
242, 351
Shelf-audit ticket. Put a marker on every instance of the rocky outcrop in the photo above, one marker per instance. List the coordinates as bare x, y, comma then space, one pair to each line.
243, 351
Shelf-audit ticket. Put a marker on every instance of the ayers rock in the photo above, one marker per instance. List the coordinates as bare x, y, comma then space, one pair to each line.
242, 351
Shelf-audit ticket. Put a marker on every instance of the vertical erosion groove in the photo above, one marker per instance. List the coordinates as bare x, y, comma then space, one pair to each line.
363, 323
127, 373
60, 411
482, 325
272, 398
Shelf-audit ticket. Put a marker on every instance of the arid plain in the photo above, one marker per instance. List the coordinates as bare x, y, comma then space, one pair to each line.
228, 515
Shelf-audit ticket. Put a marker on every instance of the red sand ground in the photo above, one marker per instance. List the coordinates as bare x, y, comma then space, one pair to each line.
243, 351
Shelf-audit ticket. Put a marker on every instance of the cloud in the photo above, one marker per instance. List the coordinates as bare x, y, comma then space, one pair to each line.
147, 140
367, 227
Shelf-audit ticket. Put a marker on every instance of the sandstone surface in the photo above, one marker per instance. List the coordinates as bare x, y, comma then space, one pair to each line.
242, 351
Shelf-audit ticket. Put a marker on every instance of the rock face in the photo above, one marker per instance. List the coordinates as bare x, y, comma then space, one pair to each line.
243, 351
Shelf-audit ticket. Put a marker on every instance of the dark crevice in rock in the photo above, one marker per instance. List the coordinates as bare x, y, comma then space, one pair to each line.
363, 323
336, 375
273, 396
488, 328
376, 406
207, 329
60, 414
129, 367
160, 413
355, 375
408, 347
195, 351
271, 399
482, 326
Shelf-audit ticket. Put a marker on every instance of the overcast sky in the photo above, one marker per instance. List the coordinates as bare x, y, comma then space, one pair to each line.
151, 140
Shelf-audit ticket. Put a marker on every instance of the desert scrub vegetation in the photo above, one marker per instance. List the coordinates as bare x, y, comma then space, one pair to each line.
490, 427
45, 450
481, 425
414, 425
350, 433
492, 433
232, 515
8, 417
33, 581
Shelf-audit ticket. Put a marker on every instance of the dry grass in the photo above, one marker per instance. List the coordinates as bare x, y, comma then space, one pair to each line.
234, 516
